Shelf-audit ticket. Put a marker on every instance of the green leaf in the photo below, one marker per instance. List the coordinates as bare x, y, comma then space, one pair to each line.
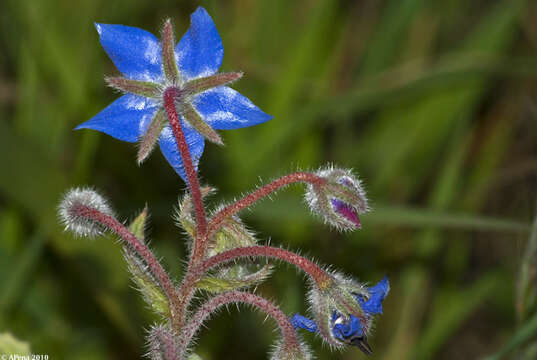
146, 282
137, 227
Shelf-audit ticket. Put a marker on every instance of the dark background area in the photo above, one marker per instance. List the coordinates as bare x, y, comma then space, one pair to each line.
432, 103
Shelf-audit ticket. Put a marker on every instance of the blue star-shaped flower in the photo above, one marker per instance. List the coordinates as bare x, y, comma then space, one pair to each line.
151, 67
350, 329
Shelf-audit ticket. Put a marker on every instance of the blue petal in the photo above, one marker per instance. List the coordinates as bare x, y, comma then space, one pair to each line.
168, 146
345, 331
200, 51
135, 52
301, 322
377, 294
125, 119
225, 109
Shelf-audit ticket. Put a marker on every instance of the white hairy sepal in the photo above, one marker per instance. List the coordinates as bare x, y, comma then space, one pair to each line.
283, 352
79, 225
341, 185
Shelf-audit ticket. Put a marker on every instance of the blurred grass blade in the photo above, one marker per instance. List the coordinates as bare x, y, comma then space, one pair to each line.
450, 310
431, 218
397, 216
20, 273
411, 308
527, 281
390, 35
526, 332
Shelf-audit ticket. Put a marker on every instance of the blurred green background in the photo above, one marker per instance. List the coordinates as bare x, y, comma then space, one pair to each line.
433, 103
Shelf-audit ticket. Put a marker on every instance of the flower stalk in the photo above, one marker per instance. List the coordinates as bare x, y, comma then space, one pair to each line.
320, 277
170, 95
290, 339
261, 193
110, 223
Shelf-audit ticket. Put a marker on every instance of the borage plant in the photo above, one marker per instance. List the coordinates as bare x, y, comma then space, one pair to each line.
175, 96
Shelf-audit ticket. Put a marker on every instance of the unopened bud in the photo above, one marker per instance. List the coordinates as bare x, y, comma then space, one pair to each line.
71, 211
339, 200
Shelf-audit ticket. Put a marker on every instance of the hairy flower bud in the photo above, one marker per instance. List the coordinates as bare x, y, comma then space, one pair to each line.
339, 200
283, 352
72, 219
343, 312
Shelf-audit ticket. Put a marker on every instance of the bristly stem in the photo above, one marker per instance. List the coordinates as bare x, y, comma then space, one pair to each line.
321, 278
201, 220
110, 223
260, 193
288, 333
200, 242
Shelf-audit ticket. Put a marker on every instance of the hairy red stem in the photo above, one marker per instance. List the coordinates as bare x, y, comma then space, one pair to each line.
201, 220
110, 223
288, 333
321, 277
200, 242
258, 194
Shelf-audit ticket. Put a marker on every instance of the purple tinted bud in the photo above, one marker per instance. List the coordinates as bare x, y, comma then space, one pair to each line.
347, 211
339, 200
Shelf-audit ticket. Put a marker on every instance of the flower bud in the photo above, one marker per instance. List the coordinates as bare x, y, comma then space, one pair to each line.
339, 200
343, 312
73, 219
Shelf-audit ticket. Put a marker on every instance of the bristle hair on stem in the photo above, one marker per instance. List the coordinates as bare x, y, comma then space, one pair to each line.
162, 343
74, 221
282, 352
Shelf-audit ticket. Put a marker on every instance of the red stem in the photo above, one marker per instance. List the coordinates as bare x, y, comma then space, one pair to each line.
258, 194
200, 242
141, 249
170, 95
321, 277
186, 291
290, 339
